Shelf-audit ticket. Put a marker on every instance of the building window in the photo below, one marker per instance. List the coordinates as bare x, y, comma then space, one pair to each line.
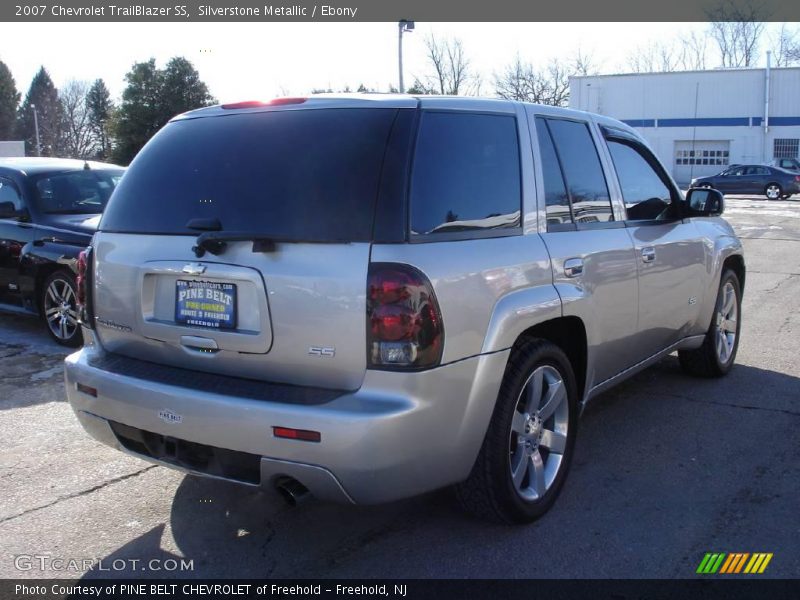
785, 148
701, 157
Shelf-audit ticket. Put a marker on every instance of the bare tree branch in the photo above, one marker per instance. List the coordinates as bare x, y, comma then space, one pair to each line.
520, 80
736, 27
583, 63
78, 136
693, 53
452, 72
656, 57
786, 49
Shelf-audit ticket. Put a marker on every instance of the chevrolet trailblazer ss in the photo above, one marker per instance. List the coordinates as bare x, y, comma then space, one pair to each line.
370, 297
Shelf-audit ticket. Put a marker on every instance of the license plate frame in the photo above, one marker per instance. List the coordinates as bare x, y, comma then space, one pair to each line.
211, 306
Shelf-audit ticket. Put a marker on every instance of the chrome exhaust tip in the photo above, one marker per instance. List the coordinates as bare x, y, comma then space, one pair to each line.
292, 491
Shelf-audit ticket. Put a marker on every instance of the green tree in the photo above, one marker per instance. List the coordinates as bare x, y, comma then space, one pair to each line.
138, 117
9, 100
99, 107
151, 98
182, 89
44, 95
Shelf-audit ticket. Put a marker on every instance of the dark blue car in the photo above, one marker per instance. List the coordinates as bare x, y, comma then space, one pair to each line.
772, 182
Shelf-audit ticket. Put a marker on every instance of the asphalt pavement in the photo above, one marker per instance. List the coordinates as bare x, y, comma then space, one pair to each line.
667, 467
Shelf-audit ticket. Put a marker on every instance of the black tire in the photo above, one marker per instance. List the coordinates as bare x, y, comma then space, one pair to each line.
705, 360
70, 335
776, 193
490, 492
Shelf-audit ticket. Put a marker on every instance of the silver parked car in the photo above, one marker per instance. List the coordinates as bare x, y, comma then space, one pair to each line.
372, 297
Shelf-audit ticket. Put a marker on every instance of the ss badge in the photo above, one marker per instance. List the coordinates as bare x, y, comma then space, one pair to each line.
325, 351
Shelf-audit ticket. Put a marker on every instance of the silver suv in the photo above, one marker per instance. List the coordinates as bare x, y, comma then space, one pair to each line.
368, 298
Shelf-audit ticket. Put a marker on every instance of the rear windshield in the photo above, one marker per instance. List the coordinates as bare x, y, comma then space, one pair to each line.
305, 175
76, 192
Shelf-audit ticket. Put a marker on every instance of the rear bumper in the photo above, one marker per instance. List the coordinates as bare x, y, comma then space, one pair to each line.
399, 435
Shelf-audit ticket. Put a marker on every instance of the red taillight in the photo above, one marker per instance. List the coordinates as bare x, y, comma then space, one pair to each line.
403, 318
259, 103
83, 260
83, 266
797, 177
283, 101
289, 433
86, 389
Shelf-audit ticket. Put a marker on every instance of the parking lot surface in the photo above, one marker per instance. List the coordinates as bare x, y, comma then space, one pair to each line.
667, 468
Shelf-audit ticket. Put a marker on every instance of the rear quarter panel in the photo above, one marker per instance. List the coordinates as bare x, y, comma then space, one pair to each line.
489, 290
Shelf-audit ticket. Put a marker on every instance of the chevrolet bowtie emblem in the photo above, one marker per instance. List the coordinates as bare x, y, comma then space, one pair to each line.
194, 269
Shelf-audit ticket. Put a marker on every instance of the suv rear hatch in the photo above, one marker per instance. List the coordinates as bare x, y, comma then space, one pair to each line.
292, 194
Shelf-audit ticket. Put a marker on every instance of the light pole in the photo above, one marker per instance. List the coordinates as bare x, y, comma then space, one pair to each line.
103, 138
402, 25
36, 128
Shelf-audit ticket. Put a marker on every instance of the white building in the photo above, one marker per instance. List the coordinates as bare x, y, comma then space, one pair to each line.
699, 121
12, 149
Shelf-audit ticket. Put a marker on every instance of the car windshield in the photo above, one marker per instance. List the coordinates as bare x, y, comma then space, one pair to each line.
76, 192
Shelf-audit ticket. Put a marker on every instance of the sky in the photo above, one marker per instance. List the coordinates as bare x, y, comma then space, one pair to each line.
244, 61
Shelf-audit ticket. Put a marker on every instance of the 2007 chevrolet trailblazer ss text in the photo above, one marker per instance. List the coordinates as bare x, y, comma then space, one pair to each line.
418, 292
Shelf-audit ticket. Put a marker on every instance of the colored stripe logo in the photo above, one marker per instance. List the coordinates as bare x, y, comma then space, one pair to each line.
734, 563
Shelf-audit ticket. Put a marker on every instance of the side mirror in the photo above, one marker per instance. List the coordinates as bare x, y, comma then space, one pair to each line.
704, 202
8, 210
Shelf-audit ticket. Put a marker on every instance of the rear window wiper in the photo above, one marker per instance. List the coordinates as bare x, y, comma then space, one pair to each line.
214, 242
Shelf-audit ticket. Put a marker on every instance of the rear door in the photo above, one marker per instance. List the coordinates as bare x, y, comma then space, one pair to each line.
756, 180
594, 267
670, 252
285, 300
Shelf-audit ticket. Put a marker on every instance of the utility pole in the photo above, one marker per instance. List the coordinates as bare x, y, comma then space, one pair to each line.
402, 26
36, 128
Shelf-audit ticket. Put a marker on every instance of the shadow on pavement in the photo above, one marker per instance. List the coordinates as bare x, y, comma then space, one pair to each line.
659, 466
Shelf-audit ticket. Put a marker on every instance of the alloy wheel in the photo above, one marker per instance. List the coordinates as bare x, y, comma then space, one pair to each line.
538, 437
726, 321
60, 309
773, 192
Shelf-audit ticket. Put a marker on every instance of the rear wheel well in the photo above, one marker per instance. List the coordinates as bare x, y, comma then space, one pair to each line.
736, 264
569, 334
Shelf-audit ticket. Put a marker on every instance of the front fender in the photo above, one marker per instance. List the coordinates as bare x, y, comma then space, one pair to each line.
723, 244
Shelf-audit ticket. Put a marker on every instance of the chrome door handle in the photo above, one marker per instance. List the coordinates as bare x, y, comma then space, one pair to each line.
648, 254
573, 267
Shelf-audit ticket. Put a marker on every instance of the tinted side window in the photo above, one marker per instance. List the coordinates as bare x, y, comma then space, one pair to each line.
466, 173
646, 196
555, 191
8, 193
584, 174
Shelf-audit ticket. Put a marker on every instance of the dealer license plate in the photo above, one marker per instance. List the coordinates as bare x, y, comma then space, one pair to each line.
205, 304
